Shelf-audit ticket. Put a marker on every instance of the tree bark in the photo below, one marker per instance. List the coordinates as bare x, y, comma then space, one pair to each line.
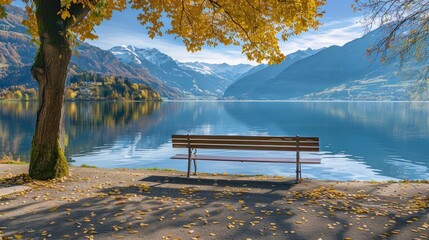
50, 71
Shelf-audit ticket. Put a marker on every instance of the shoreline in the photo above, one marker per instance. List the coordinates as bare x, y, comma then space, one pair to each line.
97, 203
232, 100
225, 174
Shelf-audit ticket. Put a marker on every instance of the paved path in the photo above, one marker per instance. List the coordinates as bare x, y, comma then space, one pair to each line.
9, 170
138, 204
12, 190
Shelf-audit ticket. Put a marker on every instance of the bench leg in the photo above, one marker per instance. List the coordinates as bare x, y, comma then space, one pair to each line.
189, 168
195, 167
189, 162
298, 173
298, 164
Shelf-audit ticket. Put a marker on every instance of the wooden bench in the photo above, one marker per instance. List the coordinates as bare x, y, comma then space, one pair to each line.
268, 143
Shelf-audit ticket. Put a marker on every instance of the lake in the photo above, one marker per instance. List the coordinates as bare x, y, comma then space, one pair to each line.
359, 140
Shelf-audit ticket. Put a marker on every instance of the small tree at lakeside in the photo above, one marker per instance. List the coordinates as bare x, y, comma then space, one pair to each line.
55, 24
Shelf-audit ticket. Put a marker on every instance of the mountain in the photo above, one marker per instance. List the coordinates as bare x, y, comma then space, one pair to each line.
344, 73
13, 21
223, 70
90, 58
15, 48
195, 79
17, 55
261, 74
168, 77
253, 70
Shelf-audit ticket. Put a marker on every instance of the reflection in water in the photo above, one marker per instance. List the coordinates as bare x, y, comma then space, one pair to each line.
374, 133
17, 120
90, 125
360, 140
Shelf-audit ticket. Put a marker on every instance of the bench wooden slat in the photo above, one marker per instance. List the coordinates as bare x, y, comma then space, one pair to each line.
244, 142
247, 147
230, 137
248, 159
232, 142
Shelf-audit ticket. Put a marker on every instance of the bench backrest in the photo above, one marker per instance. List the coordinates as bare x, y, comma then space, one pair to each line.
269, 143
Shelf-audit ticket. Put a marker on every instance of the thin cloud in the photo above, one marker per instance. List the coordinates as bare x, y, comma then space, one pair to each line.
331, 33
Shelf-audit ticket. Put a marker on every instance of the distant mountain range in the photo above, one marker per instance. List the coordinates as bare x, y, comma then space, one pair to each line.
334, 73
262, 74
223, 70
340, 73
17, 55
194, 79
171, 79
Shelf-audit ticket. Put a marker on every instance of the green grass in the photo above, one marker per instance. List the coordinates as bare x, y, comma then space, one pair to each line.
87, 166
159, 169
10, 159
388, 181
415, 181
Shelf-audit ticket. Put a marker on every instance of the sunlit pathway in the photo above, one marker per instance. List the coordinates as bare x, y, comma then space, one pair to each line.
141, 204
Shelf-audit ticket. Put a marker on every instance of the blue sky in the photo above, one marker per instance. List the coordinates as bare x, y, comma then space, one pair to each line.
341, 25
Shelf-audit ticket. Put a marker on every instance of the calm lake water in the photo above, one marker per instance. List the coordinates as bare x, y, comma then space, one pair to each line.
359, 140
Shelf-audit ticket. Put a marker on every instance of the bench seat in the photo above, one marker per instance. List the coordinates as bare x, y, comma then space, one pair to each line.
247, 159
295, 144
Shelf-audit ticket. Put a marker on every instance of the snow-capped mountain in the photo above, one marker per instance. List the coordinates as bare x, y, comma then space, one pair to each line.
226, 71
137, 56
17, 55
194, 79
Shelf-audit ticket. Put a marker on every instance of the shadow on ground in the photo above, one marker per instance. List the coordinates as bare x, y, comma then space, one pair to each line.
118, 204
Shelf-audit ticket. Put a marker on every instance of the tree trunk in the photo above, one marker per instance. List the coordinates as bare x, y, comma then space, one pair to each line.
50, 70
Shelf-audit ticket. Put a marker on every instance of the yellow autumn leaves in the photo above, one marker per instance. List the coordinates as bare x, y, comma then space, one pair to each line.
65, 14
82, 25
2, 2
2, 9
255, 25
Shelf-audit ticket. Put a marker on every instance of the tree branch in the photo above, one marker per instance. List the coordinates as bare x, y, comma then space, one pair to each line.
78, 12
216, 4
